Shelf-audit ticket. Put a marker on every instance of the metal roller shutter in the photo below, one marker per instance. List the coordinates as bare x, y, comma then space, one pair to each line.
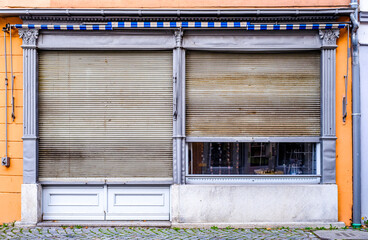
105, 114
252, 94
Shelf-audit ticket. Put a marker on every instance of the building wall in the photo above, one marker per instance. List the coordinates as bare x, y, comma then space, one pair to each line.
363, 5
364, 99
11, 178
343, 132
363, 54
172, 4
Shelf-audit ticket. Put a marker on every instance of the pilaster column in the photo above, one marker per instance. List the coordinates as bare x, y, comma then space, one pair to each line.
178, 110
328, 104
30, 90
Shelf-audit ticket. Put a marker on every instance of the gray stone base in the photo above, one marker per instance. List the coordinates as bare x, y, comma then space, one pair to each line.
238, 206
31, 212
260, 225
276, 204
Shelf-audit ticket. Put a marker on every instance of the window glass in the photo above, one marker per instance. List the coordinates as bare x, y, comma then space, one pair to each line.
225, 158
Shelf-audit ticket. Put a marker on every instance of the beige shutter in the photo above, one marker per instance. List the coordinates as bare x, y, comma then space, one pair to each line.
105, 114
252, 94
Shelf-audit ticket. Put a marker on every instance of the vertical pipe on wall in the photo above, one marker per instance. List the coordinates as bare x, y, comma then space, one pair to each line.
346, 78
6, 95
184, 146
11, 73
356, 118
176, 140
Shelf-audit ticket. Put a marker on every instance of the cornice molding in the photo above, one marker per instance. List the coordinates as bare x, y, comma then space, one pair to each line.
81, 19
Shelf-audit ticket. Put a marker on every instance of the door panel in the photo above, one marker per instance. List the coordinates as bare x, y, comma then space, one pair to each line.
138, 203
106, 203
73, 203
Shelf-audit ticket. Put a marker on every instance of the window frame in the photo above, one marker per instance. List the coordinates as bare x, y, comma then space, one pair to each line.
297, 178
323, 150
213, 40
194, 178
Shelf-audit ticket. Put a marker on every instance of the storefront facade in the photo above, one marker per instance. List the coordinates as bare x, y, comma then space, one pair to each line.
209, 120
173, 124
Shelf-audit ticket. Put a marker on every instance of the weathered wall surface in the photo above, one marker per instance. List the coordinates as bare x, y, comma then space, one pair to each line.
11, 178
363, 54
173, 3
254, 203
363, 5
363, 51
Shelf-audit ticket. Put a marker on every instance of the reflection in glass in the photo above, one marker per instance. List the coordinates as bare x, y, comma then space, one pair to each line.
223, 158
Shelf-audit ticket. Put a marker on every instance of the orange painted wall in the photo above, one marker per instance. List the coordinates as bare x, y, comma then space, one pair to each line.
11, 178
344, 159
183, 4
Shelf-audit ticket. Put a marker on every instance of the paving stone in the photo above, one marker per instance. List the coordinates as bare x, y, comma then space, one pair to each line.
96, 233
346, 234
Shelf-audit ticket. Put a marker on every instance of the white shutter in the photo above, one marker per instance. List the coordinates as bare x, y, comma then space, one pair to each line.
252, 94
105, 114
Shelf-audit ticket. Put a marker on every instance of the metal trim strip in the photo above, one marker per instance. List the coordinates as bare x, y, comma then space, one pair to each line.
254, 180
253, 139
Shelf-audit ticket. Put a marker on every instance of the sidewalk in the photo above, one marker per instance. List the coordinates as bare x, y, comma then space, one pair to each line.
79, 232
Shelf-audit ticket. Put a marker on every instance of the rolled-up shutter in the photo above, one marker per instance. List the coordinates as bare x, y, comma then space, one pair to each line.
252, 94
105, 114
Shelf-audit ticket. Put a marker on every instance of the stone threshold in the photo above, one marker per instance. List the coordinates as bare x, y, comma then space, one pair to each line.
168, 224
327, 225
162, 224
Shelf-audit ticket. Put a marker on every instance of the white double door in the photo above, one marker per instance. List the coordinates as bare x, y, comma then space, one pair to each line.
106, 202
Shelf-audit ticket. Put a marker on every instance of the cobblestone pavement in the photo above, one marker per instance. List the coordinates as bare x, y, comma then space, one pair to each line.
78, 232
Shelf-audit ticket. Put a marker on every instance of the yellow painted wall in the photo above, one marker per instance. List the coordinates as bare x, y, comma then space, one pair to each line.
183, 4
344, 159
11, 178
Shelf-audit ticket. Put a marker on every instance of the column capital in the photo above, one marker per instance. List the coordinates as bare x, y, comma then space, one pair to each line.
29, 37
329, 37
178, 38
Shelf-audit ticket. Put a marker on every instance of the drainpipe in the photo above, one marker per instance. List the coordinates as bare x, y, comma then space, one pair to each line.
356, 118
5, 160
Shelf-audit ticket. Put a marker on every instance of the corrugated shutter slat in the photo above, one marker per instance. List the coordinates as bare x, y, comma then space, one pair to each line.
252, 94
105, 114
